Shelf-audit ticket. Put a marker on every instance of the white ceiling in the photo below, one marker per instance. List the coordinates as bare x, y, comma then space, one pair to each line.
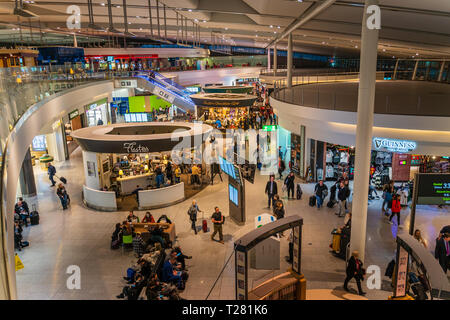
407, 26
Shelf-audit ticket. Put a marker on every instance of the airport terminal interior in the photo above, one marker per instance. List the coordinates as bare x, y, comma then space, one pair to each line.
225, 150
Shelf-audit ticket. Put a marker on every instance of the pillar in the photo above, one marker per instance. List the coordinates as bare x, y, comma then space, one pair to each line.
26, 178
441, 71
289, 61
364, 128
394, 76
75, 43
415, 70
275, 60
268, 59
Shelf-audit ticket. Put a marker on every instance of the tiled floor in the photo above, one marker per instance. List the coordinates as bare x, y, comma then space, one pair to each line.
80, 236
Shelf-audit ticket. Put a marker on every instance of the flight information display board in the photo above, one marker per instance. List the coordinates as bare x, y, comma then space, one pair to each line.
230, 169
434, 188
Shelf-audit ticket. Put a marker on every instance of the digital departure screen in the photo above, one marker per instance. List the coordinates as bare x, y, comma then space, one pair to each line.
434, 188
230, 169
233, 193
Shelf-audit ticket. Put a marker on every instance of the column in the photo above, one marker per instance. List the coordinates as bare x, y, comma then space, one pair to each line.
441, 71
394, 76
289, 61
268, 59
26, 178
415, 70
364, 127
275, 60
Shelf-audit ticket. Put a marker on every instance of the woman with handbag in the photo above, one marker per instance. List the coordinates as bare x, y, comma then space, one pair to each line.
355, 270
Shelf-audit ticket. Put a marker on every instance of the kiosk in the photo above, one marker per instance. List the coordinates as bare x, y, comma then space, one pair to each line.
125, 159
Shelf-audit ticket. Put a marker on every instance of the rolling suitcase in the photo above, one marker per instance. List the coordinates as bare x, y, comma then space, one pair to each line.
299, 191
204, 224
34, 216
62, 179
312, 201
330, 204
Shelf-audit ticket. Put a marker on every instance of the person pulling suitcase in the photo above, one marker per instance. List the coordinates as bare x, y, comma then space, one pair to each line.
192, 212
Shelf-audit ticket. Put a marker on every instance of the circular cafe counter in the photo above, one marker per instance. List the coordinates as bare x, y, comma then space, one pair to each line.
122, 160
228, 89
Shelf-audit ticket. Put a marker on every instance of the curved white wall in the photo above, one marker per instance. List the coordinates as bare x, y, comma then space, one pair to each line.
153, 198
432, 134
100, 200
29, 125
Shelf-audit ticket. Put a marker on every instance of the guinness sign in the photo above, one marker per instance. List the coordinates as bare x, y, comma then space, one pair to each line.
394, 145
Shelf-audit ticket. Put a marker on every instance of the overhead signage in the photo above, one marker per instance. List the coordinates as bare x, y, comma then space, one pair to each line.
73, 114
133, 147
126, 83
433, 189
270, 128
163, 94
394, 145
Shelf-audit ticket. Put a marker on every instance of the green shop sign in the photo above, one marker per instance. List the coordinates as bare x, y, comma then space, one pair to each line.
270, 128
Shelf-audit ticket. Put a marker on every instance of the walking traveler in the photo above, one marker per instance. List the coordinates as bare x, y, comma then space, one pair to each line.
218, 220
442, 251
63, 196
342, 197
271, 190
290, 185
51, 170
320, 191
192, 212
396, 208
355, 270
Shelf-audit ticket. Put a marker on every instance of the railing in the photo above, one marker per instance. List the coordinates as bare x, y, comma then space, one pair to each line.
314, 91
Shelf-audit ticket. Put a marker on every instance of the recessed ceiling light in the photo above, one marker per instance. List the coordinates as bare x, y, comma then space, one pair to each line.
417, 54
271, 26
278, 27
117, 6
190, 10
204, 21
384, 50
102, 4
356, 46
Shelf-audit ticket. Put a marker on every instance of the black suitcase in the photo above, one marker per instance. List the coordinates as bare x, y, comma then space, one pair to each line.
24, 244
62, 179
299, 192
330, 204
312, 201
34, 216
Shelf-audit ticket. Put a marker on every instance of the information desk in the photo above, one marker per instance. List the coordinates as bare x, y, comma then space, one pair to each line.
99, 200
129, 183
157, 198
143, 229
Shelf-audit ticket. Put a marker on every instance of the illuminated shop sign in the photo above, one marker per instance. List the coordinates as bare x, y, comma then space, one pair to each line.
270, 128
394, 145
132, 147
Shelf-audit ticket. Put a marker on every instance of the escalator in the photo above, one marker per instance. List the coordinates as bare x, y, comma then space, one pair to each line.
167, 89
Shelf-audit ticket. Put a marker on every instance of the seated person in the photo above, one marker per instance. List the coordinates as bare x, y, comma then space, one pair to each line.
170, 274
156, 235
134, 290
116, 236
176, 252
22, 210
17, 236
165, 218
131, 218
154, 288
148, 218
138, 245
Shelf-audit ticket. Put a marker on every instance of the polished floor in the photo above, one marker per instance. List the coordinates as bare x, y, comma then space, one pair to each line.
81, 237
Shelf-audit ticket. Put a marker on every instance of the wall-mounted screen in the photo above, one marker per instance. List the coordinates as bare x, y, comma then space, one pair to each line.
233, 193
39, 143
230, 169
434, 188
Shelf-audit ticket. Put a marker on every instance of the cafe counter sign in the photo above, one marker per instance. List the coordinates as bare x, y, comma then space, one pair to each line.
393, 145
133, 147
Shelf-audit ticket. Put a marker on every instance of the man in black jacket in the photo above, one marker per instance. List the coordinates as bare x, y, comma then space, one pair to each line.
290, 185
271, 190
355, 270
320, 193
442, 251
342, 197
22, 210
